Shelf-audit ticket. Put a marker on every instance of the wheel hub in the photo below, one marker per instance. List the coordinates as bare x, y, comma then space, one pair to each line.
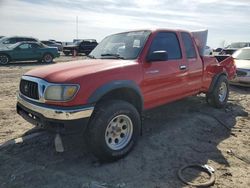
222, 92
47, 58
3, 59
119, 132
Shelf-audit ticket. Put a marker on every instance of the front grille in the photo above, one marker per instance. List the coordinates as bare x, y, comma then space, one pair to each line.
241, 73
29, 89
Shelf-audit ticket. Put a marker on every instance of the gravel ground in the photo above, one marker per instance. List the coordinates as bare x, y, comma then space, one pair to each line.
183, 132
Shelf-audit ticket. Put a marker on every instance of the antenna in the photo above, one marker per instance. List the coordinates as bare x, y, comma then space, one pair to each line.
76, 27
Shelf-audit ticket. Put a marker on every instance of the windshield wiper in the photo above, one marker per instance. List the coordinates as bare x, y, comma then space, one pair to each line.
113, 55
91, 56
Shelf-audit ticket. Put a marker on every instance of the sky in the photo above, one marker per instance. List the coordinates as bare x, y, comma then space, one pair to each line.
226, 20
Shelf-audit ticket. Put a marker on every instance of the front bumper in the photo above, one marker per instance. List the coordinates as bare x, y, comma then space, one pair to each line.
241, 81
58, 54
61, 119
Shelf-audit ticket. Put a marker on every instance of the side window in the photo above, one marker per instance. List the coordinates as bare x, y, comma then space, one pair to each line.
189, 45
24, 46
12, 41
168, 42
20, 39
34, 46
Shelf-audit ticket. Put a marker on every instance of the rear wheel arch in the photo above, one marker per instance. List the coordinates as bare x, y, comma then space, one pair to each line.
47, 53
218, 96
215, 80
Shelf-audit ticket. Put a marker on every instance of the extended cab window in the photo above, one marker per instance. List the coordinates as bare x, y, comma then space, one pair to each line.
10, 41
167, 41
189, 45
35, 46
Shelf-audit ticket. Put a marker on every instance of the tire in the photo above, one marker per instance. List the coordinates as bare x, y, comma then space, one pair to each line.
113, 130
4, 59
66, 53
86, 53
47, 58
219, 95
74, 53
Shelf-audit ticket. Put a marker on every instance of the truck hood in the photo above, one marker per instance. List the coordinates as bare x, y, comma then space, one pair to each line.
68, 72
242, 64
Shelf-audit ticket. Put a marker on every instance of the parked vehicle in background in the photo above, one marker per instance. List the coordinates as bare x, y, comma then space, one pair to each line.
24, 51
80, 46
242, 62
208, 51
59, 42
126, 74
229, 50
6, 41
53, 44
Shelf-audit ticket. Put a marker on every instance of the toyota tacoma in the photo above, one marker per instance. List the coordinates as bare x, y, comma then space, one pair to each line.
127, 73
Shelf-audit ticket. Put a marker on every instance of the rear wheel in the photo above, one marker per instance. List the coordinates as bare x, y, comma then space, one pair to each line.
113, 130
66, 53
219, 96
4, 59
86, 53
47, 58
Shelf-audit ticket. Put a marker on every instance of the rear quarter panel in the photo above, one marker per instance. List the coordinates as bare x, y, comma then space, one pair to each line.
52, 51
212, 67
229, 66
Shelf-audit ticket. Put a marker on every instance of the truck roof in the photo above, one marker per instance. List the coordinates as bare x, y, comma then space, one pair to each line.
200, 36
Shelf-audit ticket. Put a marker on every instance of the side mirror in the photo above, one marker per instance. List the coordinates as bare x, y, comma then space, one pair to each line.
157, 56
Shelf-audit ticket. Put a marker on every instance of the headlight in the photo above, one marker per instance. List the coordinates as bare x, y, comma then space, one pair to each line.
60, 92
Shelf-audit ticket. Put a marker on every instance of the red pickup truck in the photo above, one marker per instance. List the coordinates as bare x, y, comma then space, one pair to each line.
124, 75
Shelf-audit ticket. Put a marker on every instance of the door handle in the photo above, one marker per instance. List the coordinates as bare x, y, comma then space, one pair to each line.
152, 72
183, 67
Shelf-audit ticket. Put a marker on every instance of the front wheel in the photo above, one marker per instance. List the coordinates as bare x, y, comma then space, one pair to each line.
113, 130
47, 58
4, 59
219, 95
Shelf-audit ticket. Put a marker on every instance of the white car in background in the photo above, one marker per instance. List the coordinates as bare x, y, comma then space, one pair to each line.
208, 51
242, 62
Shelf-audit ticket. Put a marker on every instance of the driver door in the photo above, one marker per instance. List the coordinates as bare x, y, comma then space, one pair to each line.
164, 81
23, 52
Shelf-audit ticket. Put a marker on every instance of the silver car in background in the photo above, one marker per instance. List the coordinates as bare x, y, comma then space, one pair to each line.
242, 62
53, 44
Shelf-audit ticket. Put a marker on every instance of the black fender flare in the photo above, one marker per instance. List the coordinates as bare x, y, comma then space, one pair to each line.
214, 81
113, 85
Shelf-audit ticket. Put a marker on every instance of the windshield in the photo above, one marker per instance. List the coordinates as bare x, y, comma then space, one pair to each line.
121, 46
12, 46
243, 54
77, 42
238, 45
3, 39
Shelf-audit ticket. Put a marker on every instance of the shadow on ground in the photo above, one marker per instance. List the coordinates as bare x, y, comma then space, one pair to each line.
183, 132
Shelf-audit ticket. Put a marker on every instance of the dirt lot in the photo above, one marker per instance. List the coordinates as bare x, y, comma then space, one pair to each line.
183, 132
